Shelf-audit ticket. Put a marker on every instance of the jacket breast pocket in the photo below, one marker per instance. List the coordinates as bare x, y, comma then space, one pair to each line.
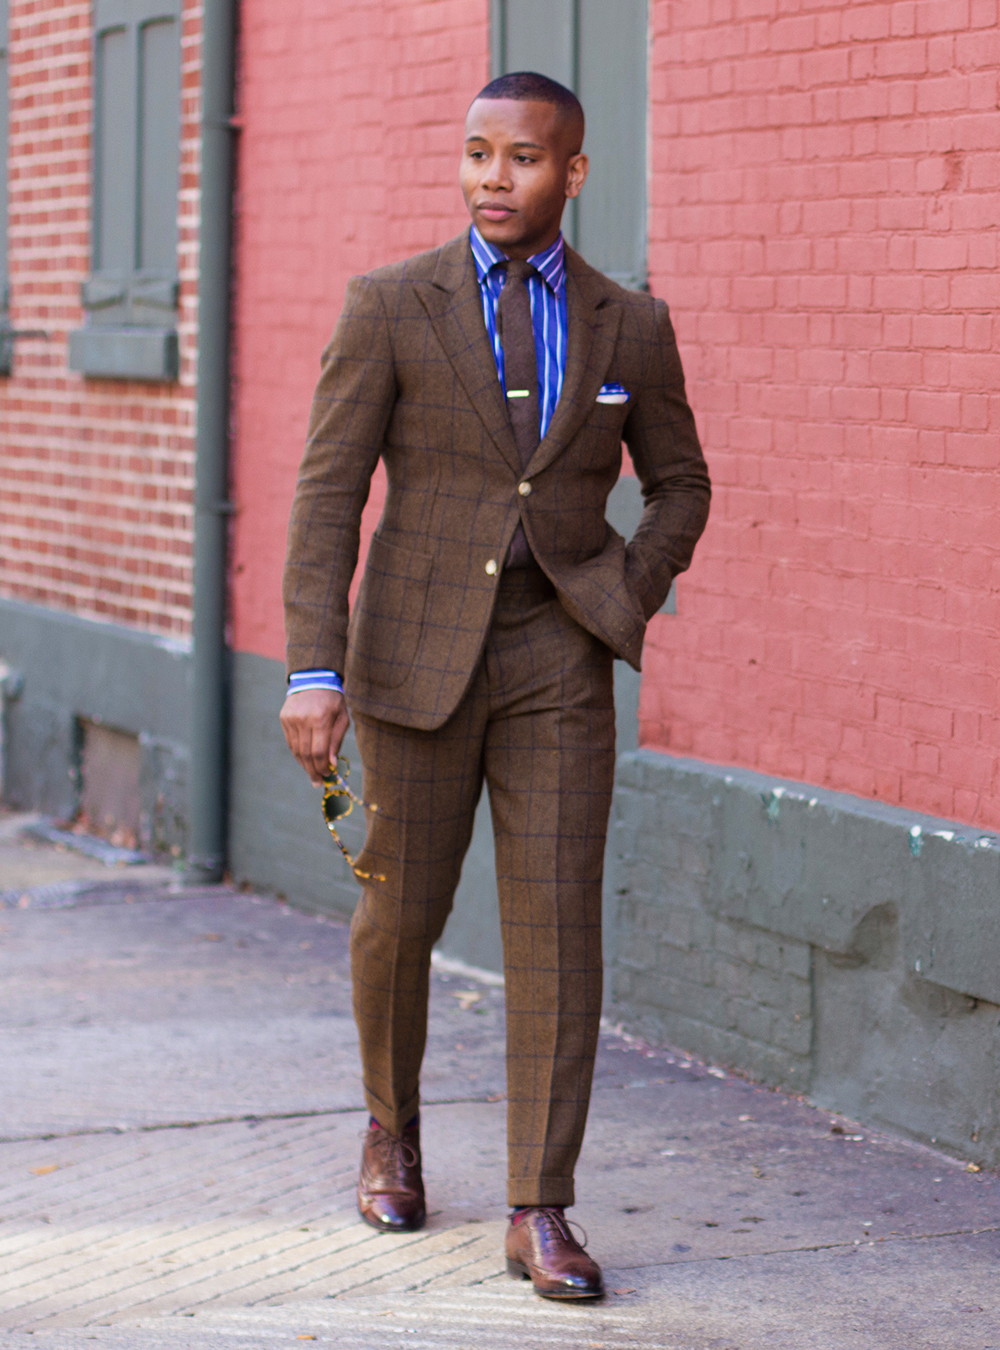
390, 613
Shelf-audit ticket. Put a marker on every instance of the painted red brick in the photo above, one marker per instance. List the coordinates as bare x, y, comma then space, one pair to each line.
839, 623
349, 159
95, 476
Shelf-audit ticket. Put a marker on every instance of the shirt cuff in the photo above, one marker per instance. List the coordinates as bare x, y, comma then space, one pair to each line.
315, 679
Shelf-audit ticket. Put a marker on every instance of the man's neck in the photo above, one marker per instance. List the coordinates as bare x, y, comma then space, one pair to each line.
521, 253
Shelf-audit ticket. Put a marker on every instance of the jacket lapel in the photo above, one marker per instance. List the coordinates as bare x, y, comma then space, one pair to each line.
593, 319
455, 307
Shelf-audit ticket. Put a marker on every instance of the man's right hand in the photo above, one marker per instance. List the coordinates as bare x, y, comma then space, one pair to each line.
315, 722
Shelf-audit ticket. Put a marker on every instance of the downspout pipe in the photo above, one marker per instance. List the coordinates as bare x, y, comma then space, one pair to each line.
206, 853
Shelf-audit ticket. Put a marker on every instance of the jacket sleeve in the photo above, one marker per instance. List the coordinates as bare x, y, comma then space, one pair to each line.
663, 442
351, 408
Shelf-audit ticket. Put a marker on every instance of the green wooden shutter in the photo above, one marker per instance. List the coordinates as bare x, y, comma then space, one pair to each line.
539, 35
611, 84
114, 155
131, 294
159, 144
597, 48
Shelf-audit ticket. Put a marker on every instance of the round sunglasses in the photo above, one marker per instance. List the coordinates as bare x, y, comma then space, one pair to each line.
338, 802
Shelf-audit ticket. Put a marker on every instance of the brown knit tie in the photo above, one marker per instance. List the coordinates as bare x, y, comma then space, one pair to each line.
517, 337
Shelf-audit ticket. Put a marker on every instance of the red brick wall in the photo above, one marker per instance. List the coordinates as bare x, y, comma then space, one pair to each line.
352, 116
825, 197
95, 475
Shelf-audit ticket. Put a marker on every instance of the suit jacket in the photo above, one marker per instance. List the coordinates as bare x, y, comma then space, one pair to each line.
409, 376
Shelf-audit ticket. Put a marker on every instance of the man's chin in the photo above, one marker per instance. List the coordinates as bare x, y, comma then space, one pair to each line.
501, 233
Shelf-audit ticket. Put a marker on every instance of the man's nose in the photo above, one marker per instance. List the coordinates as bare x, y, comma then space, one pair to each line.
496, 178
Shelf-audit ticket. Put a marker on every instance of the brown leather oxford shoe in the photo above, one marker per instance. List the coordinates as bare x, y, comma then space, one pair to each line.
541, 1248
391, 1184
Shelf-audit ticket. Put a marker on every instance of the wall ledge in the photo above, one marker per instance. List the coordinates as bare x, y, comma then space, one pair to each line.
811, 864
125, 353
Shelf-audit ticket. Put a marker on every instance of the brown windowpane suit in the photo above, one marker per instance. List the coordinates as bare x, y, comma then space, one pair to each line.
458, 672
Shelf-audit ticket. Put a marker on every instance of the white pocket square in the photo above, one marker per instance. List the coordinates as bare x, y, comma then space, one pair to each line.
612, 393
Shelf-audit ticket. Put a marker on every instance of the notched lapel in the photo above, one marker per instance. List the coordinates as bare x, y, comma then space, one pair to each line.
593, 323
454, 306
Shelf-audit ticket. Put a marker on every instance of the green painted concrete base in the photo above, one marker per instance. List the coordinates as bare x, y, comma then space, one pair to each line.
64, 669
836, 946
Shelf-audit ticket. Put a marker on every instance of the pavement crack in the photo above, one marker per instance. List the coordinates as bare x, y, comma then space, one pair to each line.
848, 1245
250, 1117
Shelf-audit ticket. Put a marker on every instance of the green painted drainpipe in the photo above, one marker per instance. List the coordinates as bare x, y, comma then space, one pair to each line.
206, 856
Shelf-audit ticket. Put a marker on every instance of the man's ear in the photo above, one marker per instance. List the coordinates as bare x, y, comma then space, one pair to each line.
576, 174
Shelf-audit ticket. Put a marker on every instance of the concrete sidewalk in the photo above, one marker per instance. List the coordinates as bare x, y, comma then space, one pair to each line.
180, 1115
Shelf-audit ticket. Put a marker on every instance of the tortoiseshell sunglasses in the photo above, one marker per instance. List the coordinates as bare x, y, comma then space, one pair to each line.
338, 802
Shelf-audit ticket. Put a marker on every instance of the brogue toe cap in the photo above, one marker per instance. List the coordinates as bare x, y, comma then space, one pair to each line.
392, 1213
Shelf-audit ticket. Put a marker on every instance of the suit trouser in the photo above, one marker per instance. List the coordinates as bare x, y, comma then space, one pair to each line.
537, 725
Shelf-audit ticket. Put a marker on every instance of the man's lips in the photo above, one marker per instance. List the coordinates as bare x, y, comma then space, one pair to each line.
494, 210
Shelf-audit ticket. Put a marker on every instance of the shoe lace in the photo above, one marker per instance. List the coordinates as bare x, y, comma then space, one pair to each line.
556, 1219
393, 1148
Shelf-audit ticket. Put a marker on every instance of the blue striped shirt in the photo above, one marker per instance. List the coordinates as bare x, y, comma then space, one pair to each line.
315, 679
547, 294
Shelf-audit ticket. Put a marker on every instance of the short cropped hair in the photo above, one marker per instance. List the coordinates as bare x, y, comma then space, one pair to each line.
528, 84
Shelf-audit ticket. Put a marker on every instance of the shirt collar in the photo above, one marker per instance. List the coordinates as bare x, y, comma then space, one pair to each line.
551, 264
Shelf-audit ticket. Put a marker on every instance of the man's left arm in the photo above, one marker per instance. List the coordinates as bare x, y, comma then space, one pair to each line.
663, 442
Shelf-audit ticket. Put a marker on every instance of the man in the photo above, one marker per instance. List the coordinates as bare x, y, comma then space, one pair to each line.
496, 377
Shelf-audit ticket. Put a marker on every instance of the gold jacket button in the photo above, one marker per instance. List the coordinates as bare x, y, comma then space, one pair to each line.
524, 489
491, 568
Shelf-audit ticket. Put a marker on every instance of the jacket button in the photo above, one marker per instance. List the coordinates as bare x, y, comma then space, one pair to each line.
524, 489
491, 568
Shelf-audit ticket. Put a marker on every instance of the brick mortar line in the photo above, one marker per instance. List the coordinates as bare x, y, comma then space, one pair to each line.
360, 1244
183, 1231
257, 1160
132, 1280
234, 1271
61, 1255
442, 1244
424, 1282
370, 1278
111, 1163
65, 1248
164, 1203
294, 1218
